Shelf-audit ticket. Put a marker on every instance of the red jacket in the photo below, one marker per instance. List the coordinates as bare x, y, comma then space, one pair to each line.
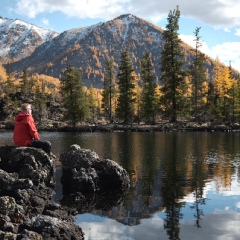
24, 129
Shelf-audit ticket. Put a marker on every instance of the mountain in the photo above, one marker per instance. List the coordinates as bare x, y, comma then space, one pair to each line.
19, 39
90, 47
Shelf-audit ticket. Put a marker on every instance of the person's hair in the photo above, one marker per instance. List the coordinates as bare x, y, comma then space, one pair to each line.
25, 106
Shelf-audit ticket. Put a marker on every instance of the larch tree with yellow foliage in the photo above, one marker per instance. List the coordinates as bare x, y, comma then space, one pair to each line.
93, 104
10, 98
222, 84
109, 89
234, 95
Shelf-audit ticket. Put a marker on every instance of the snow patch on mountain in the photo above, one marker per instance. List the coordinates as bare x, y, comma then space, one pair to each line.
45, 34
20, 38
79, 33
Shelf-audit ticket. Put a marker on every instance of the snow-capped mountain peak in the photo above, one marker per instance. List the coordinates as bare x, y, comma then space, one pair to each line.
19, 39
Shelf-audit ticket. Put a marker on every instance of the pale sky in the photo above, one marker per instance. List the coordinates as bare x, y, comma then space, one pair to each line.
219, 19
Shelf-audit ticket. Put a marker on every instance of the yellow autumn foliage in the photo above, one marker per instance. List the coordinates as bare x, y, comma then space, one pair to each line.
221, 79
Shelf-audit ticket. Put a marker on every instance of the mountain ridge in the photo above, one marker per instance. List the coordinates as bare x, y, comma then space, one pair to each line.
18, 39
90, 47
102, 41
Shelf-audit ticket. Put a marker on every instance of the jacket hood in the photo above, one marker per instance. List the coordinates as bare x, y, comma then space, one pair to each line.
21, 116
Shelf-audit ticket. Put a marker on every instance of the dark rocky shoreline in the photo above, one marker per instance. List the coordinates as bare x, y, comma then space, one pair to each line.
118, 127
26, 193
166, 127
27, 207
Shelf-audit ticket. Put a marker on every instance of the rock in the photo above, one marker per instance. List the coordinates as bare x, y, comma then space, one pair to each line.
8, 235
10, 208
53, 228
28, 162
85, 172
27, 211
30, 235
91, 183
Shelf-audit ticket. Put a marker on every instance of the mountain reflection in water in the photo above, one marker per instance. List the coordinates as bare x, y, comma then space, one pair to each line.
184, 185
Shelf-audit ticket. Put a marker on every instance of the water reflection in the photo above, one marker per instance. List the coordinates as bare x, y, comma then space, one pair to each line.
183, 185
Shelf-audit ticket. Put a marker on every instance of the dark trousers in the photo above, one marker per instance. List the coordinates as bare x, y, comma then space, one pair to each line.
44, 145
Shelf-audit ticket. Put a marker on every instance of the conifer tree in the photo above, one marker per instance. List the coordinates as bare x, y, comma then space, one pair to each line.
198, 77
148, 105
137, 103
92, 104
109, 90
126, 84
9, 84
24, 83
216, 81
233, 93
40, 99
3, 78
211, 98
172, 73
11, 103
73, 97
222, 86
237, 100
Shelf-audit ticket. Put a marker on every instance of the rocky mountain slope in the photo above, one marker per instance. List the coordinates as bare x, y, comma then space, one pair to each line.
19, 39
90, 47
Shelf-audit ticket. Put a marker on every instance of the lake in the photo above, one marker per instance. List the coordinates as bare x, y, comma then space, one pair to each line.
184, 185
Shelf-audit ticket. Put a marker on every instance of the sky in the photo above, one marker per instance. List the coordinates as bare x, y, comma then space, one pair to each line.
219, 20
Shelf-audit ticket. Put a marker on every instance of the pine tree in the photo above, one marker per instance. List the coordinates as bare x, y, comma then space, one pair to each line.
9, 84
148, 105
11, 102
211, 98
237, 99
73, 97
126, 84
172, 73
198, 77
109, 91
40, 99
217, 89
24, 83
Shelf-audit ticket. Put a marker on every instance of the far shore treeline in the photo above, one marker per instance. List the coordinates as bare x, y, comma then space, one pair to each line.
185, 94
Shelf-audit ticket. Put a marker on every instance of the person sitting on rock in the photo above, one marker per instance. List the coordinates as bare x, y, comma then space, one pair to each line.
25, 131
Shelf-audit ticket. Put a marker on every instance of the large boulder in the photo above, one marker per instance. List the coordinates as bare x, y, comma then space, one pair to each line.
27, 207
27, 210
28, 163
83, 171
91, 183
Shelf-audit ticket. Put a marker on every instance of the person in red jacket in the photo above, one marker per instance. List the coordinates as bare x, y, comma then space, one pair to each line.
25, 131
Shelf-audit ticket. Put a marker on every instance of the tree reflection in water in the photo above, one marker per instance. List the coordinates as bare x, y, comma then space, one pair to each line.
198, 186
172, 191
178, 181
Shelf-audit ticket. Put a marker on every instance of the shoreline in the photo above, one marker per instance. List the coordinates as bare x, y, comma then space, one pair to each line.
118, 127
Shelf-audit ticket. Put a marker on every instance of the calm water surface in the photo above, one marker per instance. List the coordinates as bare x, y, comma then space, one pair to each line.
183, 185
